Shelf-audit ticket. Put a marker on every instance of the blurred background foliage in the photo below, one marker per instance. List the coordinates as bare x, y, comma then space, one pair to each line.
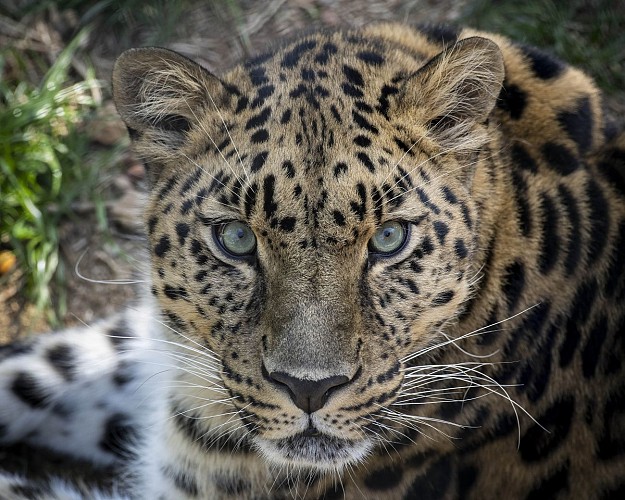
55, 62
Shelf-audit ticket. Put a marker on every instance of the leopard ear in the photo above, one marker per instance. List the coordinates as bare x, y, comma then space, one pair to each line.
455, 91
163, 93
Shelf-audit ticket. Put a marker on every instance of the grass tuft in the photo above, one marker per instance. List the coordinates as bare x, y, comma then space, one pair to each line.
45, 166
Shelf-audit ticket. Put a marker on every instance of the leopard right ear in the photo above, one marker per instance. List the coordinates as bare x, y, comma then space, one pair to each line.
162, 95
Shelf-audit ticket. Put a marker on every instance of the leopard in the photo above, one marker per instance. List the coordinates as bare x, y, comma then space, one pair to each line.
385, 262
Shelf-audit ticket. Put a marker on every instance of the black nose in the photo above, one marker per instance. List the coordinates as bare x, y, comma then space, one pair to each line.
309, 395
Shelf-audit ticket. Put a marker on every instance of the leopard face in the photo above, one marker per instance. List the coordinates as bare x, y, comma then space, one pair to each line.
312, 223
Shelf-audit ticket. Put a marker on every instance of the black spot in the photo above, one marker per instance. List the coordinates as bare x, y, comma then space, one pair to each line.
242, 103
550, 246
383, 100
552, 486
258, 120
412, 286
182, 230
263, 93
298, 91
372, 58
191, 181
152, 224
62, 359
326, 51
384, 479
426, 246
340, 168
442, 298
376, 198
308, 75
366, 161
175, 293
258, 76
441, 230
513, 283
119, 436
339, 218
425, 199
292, 57
164, 191
124, 374
440, 33
433, 483
578, 124
579, 312
559, 158
353, 76
288, 168
512, 100
592, 350
403, 146
219, 148
286, 117
28, 389
287, 224
269, 206
352, 91
362, 140
363, 123
258, 161
522, 159
260, 136
162, 247
359, 208
460, 249
449, 195
186, 207
335, 113
599, 221
543, 65
537, 443
250, 199
183, 481
574, 248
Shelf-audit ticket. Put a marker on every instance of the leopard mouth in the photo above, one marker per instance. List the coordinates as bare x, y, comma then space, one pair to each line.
313, 450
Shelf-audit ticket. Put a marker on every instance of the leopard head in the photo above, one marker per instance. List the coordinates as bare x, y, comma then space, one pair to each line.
311, 226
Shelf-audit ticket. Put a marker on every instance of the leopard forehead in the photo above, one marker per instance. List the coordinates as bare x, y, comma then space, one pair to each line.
308, 139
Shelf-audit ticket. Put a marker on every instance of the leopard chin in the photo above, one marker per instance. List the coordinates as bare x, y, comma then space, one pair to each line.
318, 452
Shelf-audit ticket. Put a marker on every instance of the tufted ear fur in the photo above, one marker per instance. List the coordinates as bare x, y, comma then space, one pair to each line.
162, 93
455, 91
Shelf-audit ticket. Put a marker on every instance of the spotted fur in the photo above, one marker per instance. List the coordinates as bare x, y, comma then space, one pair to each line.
481, 359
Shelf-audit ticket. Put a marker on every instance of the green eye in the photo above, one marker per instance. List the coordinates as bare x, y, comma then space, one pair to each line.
389, 238
236, 238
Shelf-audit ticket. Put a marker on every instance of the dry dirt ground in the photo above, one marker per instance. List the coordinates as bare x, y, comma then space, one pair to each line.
101, 268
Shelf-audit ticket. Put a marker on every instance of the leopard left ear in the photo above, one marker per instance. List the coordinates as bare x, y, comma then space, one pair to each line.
162, 94
455, 91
